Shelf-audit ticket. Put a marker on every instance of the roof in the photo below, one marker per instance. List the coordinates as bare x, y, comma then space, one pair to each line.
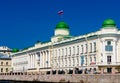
62, 25
4, 57
109, 23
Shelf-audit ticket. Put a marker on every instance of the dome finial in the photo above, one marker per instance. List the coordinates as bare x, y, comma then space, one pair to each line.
62, 25
109, 23
62, 28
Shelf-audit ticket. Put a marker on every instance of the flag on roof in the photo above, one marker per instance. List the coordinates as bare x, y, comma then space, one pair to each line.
60, 12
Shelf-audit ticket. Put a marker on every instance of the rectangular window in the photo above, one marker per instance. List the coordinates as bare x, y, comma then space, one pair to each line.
108, 42
1, 63
77, 60
66, 50
86, 59
94, 46
108, 59
70, 50
73, 50
82, 48
62, 52
69, 62
90, 59
59, 52
108, 48
90, 47
1, 69
6, 69
56, 53
82, 60
86, 48
94, 59
77, 50
73, 61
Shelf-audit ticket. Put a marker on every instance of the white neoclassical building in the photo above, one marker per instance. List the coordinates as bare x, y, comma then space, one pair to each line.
98, 50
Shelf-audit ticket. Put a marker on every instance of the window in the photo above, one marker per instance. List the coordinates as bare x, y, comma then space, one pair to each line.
77, 50
108, 59
94, 46
82, 48
65, 62
86, 48
108, 48
73, 50
77, 60
66, 51
109, 70
94, 59
6, 69
56, 53
86, 59
108, 42
90, 59
6, 63
82, 60
62, 52
38, 56
1, 63
73, 61
69, 61
59, 52
90, 47
70, 50
1, 69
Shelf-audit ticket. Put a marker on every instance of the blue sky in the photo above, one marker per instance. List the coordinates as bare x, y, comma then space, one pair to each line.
23, 22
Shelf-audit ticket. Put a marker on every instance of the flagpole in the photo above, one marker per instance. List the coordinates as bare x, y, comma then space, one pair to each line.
60, 13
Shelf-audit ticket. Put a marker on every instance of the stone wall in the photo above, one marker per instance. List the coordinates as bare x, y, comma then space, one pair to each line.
79, 78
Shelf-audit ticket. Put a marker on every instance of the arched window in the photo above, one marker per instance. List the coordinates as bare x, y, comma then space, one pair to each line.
1, 63
6, 69
1, 69
6, 63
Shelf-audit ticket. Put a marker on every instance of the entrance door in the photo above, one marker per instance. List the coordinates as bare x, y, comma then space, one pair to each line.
109, 70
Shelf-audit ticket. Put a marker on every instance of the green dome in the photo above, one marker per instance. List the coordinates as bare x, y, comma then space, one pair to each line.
15, 50
109, 23
62, 25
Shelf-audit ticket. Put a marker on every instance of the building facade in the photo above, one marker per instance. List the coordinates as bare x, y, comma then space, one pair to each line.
5, 65
95, 51
5, 50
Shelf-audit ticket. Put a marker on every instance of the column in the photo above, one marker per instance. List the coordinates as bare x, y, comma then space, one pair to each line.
48, 58
31, 60
114, 56
46, 62
75, 60
41, 62
43, 59
102, 70
40, 59
73, 71
113, 70
103, 51
35, 60
66, 71
83, 71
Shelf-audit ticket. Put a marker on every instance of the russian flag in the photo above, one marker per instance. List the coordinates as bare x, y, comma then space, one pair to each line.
60, 12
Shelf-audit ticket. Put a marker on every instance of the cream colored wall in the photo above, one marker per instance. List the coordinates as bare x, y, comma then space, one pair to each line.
20, 63
61, 32
4, 66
